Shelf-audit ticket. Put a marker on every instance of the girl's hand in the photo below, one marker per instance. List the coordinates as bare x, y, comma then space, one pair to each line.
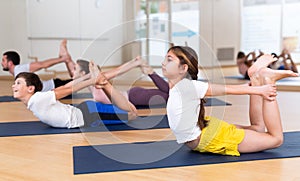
268, 92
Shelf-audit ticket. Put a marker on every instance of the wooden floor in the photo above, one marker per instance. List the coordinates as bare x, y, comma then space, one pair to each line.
49, 157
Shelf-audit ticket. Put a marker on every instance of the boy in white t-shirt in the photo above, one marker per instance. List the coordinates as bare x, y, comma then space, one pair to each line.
48, 109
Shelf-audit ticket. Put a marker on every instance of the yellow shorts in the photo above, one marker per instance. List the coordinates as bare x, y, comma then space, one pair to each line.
220, 137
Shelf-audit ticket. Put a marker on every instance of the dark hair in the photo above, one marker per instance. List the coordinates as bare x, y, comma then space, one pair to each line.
241, 55
274, 55
187, 55
13, 56
84, 65
31, 79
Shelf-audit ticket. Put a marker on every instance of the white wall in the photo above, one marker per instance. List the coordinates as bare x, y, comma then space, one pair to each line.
82, 21
219, 28
36, 28
13, 34
91, 27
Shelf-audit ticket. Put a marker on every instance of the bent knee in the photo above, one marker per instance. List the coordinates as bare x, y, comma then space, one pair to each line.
278, 141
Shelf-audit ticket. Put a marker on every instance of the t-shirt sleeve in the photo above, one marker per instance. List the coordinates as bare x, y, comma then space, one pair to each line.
201, 88
21, 68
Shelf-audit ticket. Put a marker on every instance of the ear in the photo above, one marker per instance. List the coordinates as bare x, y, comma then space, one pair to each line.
31, 89
9, 63
184, 68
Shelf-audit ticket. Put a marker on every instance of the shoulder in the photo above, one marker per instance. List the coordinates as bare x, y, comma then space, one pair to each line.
199, 83
44, 96
21, 68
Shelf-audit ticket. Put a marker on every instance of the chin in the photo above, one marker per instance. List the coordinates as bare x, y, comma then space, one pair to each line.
16, 96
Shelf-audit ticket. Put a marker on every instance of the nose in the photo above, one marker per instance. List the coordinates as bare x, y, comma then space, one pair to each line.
163, 62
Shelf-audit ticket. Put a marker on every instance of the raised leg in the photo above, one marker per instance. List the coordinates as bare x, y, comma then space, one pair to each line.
64, 53
261, 62
273, 137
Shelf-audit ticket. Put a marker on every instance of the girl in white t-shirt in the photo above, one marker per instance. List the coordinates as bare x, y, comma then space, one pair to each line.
208, 134
48, 109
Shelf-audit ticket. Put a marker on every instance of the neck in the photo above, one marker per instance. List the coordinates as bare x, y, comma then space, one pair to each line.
12, 69
25, 99
173, 82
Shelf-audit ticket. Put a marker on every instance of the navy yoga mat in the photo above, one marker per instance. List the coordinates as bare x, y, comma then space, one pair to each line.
39, 128
73, 96
8, 99
164, 154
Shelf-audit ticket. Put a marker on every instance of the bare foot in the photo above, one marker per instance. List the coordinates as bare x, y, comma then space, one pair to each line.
271, 76
261, 62
63, 48
255, 79
100, 79
63, 51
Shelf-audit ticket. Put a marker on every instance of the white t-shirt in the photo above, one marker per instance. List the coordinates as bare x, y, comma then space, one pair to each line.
183, 109
54, 113
47, 84
21, 68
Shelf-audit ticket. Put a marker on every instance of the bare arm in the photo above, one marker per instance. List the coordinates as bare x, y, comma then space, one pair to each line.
35, 66
122, 68
267, 91
73, 86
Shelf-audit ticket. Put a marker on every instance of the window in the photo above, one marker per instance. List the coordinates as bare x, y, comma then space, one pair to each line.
261, 25
271, 25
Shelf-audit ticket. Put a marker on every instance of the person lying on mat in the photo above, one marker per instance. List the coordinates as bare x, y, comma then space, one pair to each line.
11, 63
202, 133
48, 109
136, 95
245, 61
284, 62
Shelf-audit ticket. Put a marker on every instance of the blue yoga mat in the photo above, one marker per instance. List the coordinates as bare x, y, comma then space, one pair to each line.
39, 128
137, 156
